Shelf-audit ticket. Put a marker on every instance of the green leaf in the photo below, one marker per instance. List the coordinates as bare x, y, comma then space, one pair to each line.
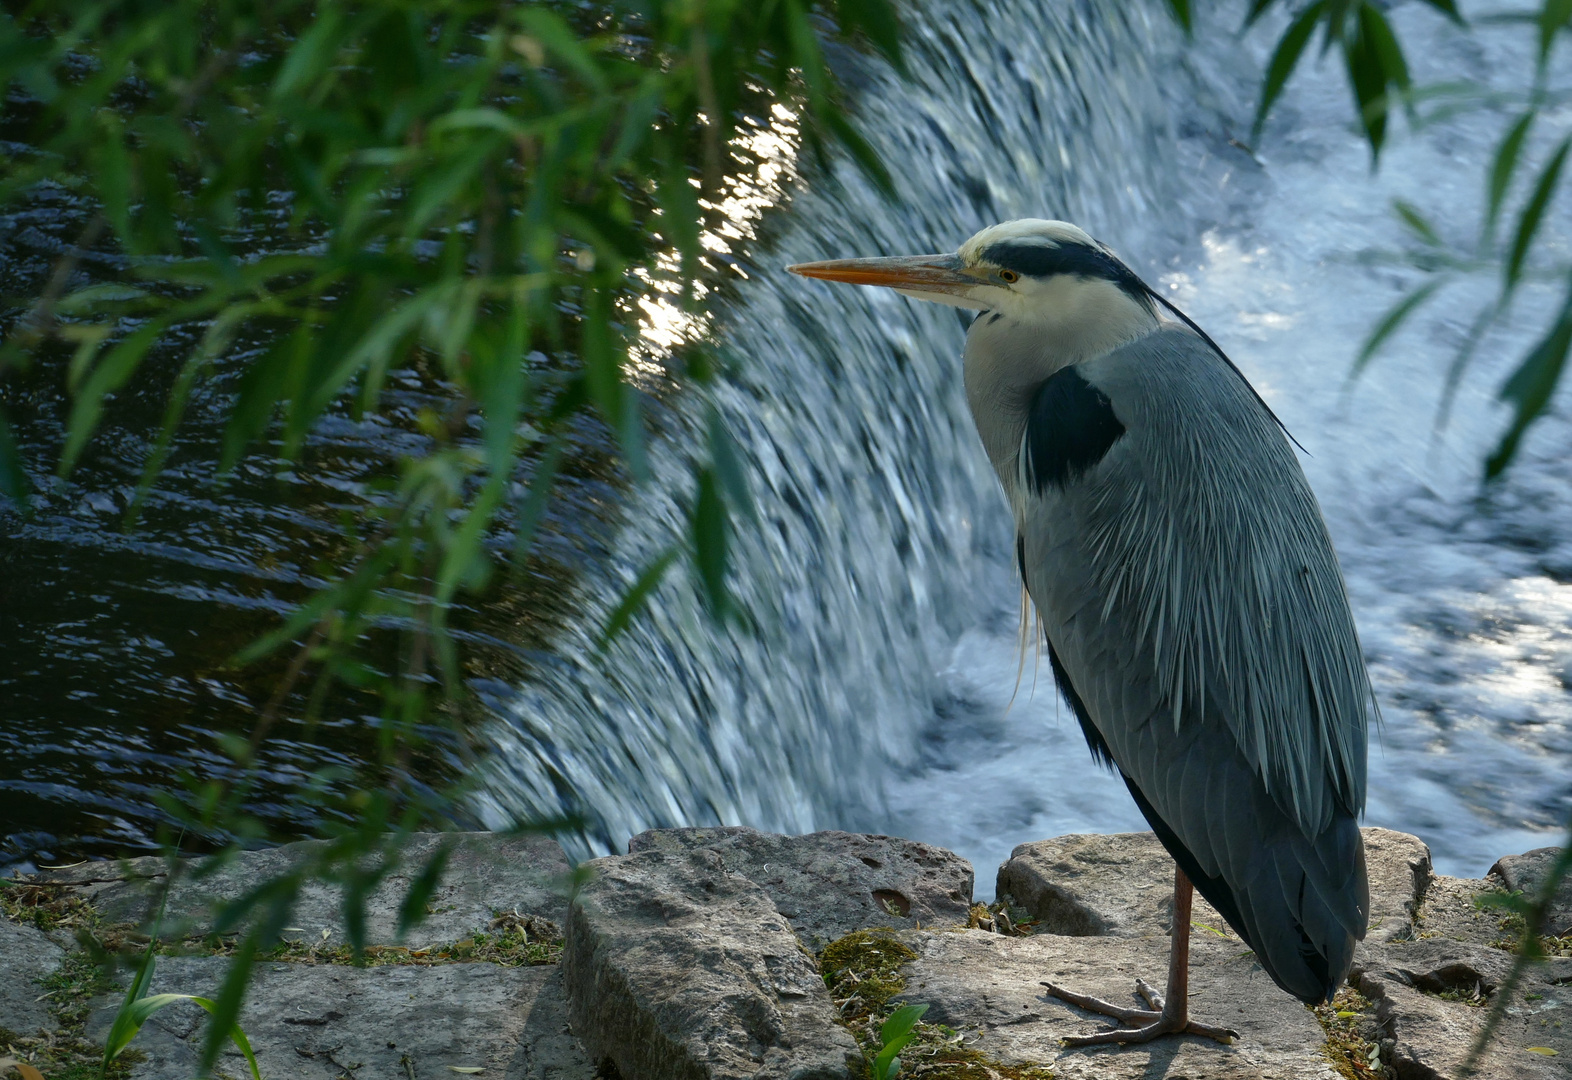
862, 152
1181, 14
1417, 222
894, 1034
1284, 59
311, 56
1505, 165
879, 21
1394, 318
1257, 9
1530, 387
709, 528
1375, 62
1553, 17
145, 1007
1533, 213
107, 376
728, 467
534, 508
1449, 9
633, 600
413, 908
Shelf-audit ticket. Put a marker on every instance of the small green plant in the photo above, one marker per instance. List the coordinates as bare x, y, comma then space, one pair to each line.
893, 1037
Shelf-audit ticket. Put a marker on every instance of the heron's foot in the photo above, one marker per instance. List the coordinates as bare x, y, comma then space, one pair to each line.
1137, 1025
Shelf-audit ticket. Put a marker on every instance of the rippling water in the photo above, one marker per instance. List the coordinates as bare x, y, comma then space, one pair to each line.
878, 690
879, 685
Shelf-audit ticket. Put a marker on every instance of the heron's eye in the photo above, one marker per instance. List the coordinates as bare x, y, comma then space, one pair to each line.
1009, 277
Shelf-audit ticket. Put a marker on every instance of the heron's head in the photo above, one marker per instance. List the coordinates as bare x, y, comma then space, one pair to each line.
1031, 270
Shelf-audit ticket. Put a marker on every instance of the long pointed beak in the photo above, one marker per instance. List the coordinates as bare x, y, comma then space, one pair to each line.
917, 273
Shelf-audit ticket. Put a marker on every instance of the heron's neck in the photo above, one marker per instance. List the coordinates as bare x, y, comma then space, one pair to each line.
1009, 356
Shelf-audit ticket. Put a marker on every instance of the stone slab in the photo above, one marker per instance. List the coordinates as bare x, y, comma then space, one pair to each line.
1430, 1036
329, 1021
831, 883
1527, 872
26, 957
986, 986
1091, 885
1400, 872
1122, 884
487, 872
678, 968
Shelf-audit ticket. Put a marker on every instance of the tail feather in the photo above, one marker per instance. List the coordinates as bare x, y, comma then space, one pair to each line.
1300, 903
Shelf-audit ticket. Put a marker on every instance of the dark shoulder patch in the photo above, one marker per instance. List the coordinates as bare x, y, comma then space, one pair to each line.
1070, 425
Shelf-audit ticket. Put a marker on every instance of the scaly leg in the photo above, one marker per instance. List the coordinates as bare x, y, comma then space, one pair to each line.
1170, 1014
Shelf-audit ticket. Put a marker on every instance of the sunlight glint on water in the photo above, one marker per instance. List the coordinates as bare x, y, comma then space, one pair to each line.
876, 693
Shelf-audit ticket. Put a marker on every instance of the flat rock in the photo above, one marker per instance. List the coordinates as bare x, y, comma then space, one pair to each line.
328, 1021
1527, 872
678, 967
831, 883
1449, 912
986, 986
486, 873
1089, 885
1121, 885
26, 957
1399, 868
1431, 1036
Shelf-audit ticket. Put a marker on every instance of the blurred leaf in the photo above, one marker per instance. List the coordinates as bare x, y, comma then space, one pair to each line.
312, 54
862, 153
1375, 62
1553, 17
1257, 9
1530, 387
1505, 165
1417, 223
878, 19
1284, 59
1449, 9
728, 468
1181, 13
709, 527
534, 507
1394, 318
1533, 213
107, 376
633, 600
413, 907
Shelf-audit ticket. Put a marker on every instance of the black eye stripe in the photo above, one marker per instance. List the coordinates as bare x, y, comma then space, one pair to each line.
1069, 257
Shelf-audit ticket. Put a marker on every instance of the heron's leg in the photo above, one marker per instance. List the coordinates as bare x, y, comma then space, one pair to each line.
1170, 1013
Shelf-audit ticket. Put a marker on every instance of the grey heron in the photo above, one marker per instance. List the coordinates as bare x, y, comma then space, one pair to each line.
1194, 613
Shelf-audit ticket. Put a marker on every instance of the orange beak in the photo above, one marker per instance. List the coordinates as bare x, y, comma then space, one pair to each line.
915, 273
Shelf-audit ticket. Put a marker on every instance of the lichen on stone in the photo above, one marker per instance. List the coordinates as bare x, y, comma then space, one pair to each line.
862, 971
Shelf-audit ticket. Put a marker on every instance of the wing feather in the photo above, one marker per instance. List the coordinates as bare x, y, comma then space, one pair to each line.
1194, 606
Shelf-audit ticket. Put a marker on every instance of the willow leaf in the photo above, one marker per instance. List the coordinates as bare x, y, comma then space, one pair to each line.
1284, 59
1533, 213
1504, 165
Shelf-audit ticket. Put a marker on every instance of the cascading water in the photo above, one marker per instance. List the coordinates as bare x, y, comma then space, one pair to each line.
878, 689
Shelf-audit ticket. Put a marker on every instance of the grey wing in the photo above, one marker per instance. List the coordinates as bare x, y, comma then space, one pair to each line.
1197, 622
